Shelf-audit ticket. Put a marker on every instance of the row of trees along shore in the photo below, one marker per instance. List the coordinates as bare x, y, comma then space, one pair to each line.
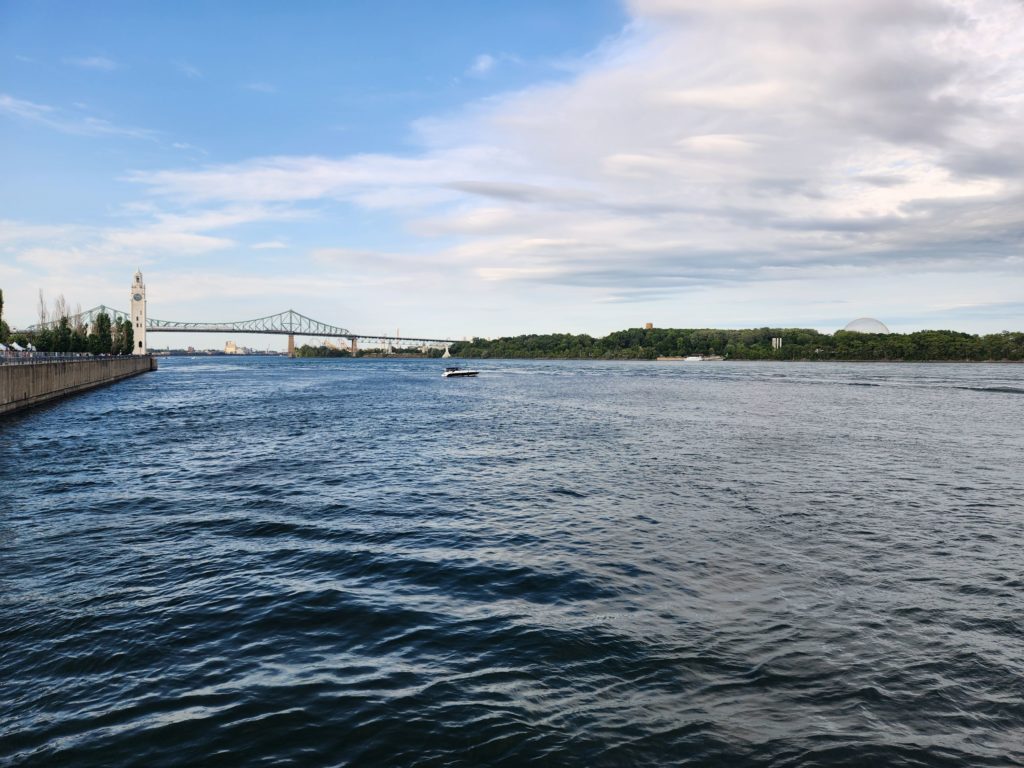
58, 330
752, 344
307, 350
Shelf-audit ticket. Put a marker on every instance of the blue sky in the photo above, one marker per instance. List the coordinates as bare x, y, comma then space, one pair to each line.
460, 169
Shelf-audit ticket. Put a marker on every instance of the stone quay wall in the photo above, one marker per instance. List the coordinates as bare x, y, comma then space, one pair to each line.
26, 384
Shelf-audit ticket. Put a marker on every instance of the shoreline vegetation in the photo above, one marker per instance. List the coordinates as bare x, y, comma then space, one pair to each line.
307, 350
798, 344
59, 333
61, 330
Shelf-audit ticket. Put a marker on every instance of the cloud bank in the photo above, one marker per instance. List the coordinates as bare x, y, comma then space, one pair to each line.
725, 141
711, 147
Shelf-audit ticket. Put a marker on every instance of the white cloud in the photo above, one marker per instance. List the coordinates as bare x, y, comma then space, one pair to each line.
309, 178
185, 147
482, 65
59, 120
365, 263
101, 63
25, 109
154, 235
13, 232
158, 239
188, 70
261, 87
269, 245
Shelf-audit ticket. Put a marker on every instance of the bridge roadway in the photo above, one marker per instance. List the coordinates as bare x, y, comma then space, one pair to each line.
353, 338
213, 328
289, 323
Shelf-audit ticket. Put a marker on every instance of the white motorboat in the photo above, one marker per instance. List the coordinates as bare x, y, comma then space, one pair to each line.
454, 370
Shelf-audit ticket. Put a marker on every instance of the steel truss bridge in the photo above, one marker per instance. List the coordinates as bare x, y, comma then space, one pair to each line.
289, 323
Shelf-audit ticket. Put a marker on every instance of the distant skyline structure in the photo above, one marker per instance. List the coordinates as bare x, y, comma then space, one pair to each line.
866, 325
519, 168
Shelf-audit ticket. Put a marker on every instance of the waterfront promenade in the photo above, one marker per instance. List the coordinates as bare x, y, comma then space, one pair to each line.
28, 379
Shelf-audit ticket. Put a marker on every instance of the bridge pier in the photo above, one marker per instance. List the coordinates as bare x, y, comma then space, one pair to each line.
355, 346
291, 345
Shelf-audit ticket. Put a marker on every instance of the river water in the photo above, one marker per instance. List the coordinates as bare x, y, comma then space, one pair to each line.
333, 562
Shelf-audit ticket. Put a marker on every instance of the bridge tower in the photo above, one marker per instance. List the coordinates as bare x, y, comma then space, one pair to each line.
139, 314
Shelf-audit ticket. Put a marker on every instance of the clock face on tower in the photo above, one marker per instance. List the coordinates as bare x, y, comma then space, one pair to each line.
137, 297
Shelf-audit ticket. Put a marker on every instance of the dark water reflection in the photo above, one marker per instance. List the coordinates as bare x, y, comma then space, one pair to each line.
271, 562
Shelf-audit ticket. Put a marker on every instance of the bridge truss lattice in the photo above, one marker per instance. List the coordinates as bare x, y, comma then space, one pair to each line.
288, 323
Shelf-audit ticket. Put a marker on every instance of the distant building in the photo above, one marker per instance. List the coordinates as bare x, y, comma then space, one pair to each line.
866, 325
648, 326
230, 348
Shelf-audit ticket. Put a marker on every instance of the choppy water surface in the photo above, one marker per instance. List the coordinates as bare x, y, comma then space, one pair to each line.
272, 562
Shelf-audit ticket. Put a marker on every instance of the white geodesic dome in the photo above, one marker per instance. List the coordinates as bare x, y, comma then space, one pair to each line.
866, 325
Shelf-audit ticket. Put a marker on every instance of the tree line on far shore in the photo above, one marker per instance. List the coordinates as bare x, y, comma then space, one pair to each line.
307, 350
323, 350
752, 344
60, 330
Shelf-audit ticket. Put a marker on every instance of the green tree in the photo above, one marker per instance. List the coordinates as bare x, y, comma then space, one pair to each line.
307, 350
62, 335
128, 337
753, 344
42, 340
116, 337
79, 333
100, 340
79, 340
5, 331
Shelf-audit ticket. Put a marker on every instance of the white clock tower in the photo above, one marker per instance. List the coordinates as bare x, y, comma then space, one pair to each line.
139, 315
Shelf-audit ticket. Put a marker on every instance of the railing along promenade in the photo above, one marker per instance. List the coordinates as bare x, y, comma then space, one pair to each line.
12, 357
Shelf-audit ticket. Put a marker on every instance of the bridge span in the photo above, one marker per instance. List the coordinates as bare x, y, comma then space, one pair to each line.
288, 323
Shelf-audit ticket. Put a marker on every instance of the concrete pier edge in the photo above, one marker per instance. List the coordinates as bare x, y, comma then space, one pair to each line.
29, 384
